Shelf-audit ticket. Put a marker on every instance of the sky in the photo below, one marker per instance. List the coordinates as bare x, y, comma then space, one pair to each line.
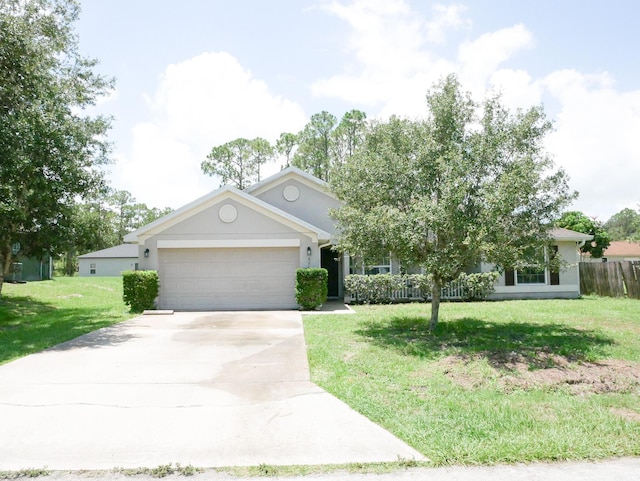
194, 74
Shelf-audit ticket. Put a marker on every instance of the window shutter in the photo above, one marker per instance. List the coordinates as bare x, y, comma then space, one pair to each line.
554, 275
509, 277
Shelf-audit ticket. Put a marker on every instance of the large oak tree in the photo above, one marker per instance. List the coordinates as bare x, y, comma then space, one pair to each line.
470, 183
50, 149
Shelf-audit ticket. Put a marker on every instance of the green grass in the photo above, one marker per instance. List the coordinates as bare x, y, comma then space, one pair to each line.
38, 315
456, 397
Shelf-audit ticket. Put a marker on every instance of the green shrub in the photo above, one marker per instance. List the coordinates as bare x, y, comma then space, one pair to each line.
477, 287
311, 287
140, 289
385, 288
376, 289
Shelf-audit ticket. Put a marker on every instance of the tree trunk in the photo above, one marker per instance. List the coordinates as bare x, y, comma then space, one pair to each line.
6, 256
435, 304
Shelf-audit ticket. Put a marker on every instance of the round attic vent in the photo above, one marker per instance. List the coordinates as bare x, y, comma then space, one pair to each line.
228, 213
291, 193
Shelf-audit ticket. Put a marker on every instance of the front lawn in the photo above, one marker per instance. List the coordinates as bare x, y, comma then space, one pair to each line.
507, 382
38, 315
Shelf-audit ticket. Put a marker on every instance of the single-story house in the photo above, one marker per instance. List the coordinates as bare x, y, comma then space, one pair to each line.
618, 251
239, 249
109, 262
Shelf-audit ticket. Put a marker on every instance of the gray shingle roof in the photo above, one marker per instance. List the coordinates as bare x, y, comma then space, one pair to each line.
123, 250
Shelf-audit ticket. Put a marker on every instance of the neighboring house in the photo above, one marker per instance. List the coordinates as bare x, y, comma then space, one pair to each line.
30, 269
233, 249
618, 251
109, 262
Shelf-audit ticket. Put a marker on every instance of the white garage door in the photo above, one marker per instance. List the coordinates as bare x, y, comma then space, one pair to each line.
219, 279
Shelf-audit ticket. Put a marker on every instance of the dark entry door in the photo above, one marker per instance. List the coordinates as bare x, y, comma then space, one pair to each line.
329, 261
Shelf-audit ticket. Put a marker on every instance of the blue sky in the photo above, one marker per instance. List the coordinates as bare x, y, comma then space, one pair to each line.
198, 73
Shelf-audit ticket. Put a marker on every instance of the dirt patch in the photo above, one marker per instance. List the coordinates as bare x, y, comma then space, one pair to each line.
513, 371
629, 414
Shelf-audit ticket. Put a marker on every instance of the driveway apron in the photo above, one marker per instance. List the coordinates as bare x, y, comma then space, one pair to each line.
207, 389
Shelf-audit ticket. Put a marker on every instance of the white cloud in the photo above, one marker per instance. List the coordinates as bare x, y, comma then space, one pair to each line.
446, 18
480, 58
391, 64
391, 68
596, 140
199, 103
517, 87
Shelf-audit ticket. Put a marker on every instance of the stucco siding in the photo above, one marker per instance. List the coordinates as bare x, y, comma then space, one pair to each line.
249, 224
311, 205
105, 267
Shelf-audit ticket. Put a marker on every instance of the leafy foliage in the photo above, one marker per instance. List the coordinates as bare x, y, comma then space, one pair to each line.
624, 225
579, 222
140, 289
478, 286
315, 144
384, 288
101, 221
50, 150
453, 190
311, 287
239, 161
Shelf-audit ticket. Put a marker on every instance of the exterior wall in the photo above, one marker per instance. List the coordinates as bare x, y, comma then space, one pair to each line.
568, 288
311, 206
248, 225
106, 267
32, 269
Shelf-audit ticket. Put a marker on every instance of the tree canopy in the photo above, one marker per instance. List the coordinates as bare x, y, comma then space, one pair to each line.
579, 222
471, 183
238, 162
624, 225
51, 151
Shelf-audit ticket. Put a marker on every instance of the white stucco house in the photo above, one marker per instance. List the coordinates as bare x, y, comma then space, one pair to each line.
108, 262
233, 249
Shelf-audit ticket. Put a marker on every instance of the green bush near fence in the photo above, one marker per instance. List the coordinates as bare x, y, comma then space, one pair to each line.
140, 289
311, 287
385, 288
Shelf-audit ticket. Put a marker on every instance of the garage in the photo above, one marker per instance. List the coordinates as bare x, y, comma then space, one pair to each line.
228, 278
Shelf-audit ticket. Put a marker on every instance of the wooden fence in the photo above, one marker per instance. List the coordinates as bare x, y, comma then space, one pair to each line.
610, 279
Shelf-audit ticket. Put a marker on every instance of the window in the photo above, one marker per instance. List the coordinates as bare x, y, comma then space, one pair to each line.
531, 275
92, 269
378, 266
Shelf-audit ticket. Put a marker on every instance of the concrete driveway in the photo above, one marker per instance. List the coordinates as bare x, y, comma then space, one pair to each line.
207, 389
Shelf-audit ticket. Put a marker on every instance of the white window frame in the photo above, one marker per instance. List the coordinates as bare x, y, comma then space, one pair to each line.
357, 266
92, 269
546, 279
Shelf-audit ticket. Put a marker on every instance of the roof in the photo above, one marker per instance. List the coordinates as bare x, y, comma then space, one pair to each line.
562, 234
622, 249
117, 252
290, 172
228, 191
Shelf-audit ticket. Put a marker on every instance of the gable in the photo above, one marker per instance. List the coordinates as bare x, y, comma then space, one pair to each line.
304, 198
226, 213
228, 218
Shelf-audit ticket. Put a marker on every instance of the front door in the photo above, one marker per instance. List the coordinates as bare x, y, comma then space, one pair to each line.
329, 261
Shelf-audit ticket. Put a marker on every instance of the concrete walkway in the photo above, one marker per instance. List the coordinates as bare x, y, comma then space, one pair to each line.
206, 389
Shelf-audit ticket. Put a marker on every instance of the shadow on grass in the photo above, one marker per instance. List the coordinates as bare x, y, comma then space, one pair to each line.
503, 344
28, 326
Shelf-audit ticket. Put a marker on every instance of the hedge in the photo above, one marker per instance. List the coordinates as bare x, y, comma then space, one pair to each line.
385, 288
140, 289
311, 287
